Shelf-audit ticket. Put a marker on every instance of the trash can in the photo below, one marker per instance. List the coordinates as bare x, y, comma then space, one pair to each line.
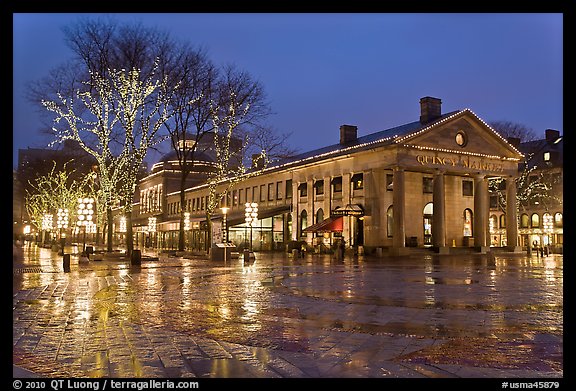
136, 257
66, 263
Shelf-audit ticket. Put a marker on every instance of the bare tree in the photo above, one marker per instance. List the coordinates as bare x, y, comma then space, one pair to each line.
195, 76
509, 129
101, 48
56, 190
121, 106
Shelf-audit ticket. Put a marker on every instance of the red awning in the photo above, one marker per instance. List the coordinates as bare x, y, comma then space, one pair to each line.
331, 224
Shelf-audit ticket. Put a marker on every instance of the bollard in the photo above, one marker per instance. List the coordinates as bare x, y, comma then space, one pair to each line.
136, 257
66, 263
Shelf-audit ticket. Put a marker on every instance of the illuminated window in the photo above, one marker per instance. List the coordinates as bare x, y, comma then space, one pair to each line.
358, 181
546, 156
558, 220
467, 222
390, 221
303, 222
535, 221
524, 221
503, 221
389, 182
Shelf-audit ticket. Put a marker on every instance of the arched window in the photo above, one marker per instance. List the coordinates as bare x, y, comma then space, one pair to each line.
502, 221
303, 222
535, 221
390, 221
558, 220
524, 221
319, 215
468, 222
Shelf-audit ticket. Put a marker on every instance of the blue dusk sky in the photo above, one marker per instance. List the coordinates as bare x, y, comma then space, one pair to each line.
322, 70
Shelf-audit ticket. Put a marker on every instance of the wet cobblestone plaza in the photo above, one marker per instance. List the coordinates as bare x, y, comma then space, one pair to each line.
422, 315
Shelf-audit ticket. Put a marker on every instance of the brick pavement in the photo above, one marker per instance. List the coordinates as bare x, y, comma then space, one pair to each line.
423, 316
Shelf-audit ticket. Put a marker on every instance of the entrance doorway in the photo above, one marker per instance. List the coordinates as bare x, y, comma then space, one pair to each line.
428, 214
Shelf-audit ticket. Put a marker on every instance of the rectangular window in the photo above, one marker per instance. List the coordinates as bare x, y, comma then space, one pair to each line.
193, 204
254, 191
240, 201
303, 189
389, 182
234, 197
270, 192
358, 181
247, 198
337, 184
319, 187
289, 188
467, 188
262, 193
427, 185
278, 190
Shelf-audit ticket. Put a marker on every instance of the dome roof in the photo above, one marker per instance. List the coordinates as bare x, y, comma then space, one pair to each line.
199, 156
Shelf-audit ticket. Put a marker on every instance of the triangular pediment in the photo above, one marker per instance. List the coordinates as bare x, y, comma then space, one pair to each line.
462, 132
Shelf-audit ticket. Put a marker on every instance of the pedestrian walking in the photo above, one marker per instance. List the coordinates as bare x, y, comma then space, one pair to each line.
341, 249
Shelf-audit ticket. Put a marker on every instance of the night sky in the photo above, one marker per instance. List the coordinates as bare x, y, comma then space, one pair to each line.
324, 70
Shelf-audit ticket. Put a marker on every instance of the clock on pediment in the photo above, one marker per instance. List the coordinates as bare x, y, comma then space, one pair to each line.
461, 138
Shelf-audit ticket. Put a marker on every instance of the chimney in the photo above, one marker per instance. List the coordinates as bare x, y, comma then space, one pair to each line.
552, 135
348, 134
430, 109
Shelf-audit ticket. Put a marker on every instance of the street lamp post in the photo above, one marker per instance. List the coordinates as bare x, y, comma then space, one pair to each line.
85, 216
548, 228
251, 216
62, 224
224, 210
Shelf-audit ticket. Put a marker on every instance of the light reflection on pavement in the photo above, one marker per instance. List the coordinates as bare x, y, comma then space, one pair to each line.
418, 316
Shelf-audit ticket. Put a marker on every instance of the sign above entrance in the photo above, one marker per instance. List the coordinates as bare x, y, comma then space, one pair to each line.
349, 210
460, 161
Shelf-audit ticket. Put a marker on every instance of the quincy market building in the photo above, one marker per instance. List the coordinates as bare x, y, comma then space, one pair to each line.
422, 184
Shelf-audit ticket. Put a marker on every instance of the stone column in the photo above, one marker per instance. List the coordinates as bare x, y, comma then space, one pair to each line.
439, 219
295, 210
511, 216
326, 207
346, 199
399, 201
480, 212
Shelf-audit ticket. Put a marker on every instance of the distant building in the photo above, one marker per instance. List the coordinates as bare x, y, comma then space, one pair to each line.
36, 162
541, 212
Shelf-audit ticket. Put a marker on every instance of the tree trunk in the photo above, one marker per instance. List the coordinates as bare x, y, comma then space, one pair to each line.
129, 234
109, 229
181, 231
209, 232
